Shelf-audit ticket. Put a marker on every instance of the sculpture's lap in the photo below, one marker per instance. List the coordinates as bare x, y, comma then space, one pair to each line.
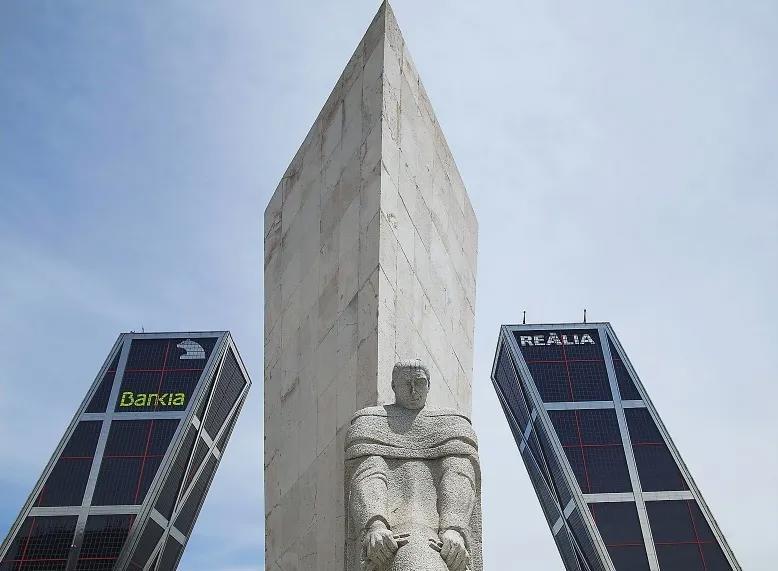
417, 472
417, 555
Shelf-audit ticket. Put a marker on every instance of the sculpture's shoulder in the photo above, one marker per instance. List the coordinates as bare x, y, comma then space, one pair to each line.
391, 411
447, 412
449, 422
370, 411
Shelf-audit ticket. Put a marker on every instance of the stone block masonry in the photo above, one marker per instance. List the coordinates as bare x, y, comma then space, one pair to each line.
370, 257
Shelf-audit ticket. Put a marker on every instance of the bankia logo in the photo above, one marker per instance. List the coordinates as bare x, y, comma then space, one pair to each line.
193, 350
553, 338
131, 399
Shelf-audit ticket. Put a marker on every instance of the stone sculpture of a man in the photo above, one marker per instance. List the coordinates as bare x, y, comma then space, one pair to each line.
412, 483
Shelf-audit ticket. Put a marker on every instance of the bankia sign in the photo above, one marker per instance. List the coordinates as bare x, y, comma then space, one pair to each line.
162, 374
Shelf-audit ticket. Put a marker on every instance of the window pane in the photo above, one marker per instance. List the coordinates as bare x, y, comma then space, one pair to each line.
42, 543
171, 554
104, 537
99, 400
566, 366
619, 526
186, 519
584, 540
169, 494
66, 484
146, 545
593, 446
228, 388
656, 467
683, 539
508, 383
627, 387
133, 453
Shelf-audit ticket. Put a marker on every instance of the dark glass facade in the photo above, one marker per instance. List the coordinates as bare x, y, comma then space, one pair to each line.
42, 543
611, 484
114, 495
592, 444
66, 483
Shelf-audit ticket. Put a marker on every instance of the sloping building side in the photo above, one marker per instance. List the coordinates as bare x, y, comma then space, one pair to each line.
125, 485
613, 487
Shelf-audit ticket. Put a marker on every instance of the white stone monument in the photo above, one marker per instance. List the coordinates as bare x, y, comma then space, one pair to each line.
370, 258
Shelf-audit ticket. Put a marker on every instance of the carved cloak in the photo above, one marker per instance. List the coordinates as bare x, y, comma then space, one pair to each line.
384, 436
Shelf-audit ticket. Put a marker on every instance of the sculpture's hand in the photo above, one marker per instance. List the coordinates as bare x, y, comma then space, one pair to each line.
453, 550
381, 545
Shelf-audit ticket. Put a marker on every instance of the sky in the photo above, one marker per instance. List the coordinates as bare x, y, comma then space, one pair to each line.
621, 157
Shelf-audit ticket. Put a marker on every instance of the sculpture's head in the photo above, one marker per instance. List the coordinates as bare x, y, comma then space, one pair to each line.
411, 383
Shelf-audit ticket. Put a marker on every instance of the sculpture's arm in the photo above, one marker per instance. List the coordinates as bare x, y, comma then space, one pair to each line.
368, 507
457, 490
368, 493
457, 495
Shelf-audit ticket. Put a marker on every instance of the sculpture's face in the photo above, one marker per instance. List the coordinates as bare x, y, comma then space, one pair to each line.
411, 389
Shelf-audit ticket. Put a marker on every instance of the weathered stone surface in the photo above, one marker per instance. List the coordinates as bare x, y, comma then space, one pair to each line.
413, 483
370, 253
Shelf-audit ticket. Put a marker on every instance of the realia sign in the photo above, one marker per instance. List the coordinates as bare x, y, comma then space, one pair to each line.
555, 339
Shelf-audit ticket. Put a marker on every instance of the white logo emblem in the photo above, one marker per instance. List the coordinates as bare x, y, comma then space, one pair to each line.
193, 350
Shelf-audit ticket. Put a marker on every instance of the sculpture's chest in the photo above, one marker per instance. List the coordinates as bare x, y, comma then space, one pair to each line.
412, 494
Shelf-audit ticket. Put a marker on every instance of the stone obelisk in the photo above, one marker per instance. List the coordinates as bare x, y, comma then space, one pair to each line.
370, 257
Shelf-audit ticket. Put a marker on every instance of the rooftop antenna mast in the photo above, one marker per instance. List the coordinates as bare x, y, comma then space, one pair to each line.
524, 317
584, 315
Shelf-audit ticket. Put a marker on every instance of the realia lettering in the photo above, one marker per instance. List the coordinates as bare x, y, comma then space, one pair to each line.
131, 399
555, 339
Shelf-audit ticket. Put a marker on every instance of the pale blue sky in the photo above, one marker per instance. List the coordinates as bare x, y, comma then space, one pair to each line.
621, 156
